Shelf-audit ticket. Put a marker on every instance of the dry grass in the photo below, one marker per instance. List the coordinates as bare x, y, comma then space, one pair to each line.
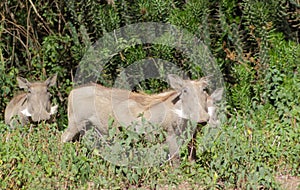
289, 182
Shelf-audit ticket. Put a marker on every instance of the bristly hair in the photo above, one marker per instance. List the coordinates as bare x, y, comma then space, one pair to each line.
153, 99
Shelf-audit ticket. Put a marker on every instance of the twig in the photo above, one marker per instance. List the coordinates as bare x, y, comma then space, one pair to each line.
15, 37
27, 38
61, 17
36, 12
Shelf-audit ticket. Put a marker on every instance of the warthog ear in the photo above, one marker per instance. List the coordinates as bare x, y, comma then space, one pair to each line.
51, 80
175, 81
23, 83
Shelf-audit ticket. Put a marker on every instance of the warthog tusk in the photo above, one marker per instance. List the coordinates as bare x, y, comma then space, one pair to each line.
211, 110
53, 110
26, 112
180, 113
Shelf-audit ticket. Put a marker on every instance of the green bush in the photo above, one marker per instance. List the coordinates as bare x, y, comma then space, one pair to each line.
255, 44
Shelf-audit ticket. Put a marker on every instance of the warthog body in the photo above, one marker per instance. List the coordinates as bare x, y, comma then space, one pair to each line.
34, 104
94, 105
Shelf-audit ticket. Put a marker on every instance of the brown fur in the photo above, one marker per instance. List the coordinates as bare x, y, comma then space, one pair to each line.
18, 98
144, 99
151, 100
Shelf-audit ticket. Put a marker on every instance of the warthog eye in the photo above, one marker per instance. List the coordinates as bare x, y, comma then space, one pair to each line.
185, 90
205, 90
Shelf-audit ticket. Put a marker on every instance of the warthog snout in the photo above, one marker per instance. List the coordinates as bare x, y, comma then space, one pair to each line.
204, 118
41, 116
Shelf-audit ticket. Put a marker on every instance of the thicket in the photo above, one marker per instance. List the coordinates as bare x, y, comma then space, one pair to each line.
255, 44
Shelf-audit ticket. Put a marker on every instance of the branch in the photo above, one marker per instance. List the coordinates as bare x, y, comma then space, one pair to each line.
36, 12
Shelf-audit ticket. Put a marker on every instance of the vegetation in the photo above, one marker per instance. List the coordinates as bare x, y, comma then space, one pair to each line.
255, 44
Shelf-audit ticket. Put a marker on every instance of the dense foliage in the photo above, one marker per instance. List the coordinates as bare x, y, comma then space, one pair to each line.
256, 46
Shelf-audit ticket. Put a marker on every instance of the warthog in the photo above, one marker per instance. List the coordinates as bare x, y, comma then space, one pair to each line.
94, 105
34, 104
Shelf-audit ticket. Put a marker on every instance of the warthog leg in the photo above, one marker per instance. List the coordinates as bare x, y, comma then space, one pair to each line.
72, 131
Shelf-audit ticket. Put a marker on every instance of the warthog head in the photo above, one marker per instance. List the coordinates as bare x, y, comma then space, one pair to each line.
192, 99
38, 105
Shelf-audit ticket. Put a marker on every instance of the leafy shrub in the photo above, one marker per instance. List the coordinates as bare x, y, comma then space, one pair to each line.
255, 43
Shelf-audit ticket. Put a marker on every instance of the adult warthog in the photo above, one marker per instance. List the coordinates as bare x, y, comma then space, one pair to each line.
94, 105
32, 105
